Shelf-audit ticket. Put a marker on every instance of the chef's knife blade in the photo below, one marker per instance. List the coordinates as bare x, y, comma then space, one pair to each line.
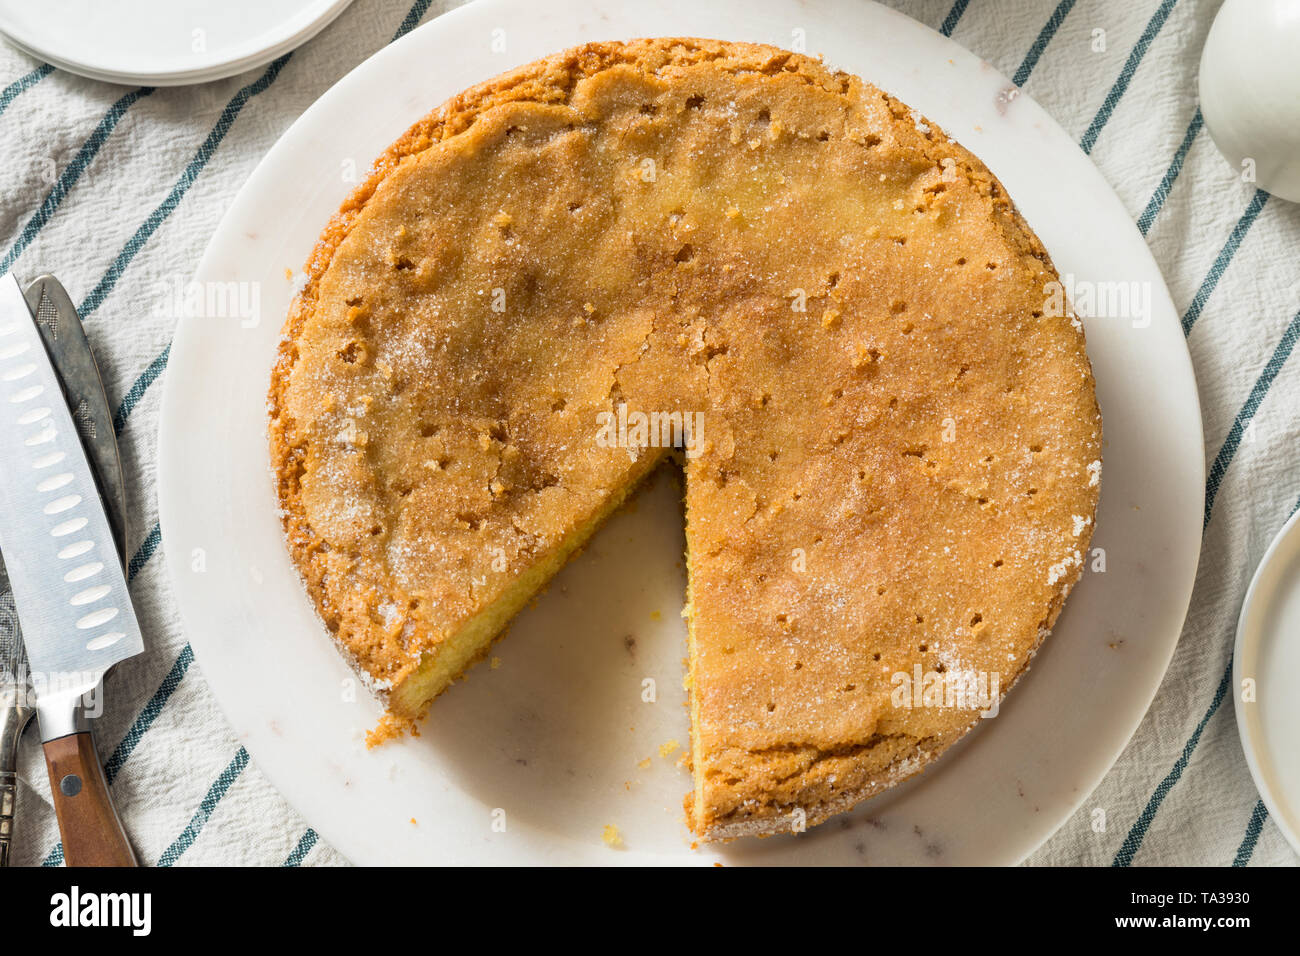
68, 585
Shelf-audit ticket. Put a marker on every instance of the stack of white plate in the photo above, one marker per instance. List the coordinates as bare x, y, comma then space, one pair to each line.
163, 42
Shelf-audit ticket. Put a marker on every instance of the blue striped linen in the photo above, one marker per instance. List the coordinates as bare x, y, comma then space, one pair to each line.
155, 169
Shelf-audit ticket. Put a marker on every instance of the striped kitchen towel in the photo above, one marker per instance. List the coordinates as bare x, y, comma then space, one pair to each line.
117, 190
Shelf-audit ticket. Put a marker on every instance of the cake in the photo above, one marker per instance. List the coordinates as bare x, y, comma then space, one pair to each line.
830, 314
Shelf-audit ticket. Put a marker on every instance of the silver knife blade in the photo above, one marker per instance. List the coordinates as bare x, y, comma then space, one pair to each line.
68, 585
83, 389
78, 371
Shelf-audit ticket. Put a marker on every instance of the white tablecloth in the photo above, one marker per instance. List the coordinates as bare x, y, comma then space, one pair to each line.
117, 189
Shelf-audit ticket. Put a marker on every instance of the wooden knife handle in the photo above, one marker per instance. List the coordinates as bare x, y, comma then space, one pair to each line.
92, 834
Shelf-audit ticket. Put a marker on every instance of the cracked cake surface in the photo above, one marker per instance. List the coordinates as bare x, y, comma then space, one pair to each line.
896, 465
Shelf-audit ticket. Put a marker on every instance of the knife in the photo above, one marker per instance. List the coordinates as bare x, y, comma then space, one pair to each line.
68, 584
74, 361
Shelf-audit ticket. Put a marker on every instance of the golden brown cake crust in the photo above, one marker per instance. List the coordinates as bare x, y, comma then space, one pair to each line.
900, 458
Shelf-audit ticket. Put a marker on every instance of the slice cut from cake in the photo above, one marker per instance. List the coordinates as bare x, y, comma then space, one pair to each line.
891, 440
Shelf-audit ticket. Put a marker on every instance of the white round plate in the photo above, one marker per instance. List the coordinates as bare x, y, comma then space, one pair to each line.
556, 741
162, 42
1268, 654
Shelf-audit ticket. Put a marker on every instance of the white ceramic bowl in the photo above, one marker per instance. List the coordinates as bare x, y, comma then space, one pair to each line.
1250, 91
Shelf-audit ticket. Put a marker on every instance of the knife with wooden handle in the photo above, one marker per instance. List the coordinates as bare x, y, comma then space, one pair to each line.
74, 361
69, 586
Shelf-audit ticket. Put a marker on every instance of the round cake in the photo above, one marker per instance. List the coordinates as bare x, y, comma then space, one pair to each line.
830, 314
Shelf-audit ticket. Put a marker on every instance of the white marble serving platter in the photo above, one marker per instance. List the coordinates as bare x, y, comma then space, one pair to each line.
552, 740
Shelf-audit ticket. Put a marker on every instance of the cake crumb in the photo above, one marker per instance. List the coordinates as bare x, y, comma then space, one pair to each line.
613, 839
390, 727
666, 749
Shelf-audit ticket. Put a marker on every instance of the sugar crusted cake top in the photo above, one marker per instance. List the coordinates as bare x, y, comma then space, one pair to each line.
896, 441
